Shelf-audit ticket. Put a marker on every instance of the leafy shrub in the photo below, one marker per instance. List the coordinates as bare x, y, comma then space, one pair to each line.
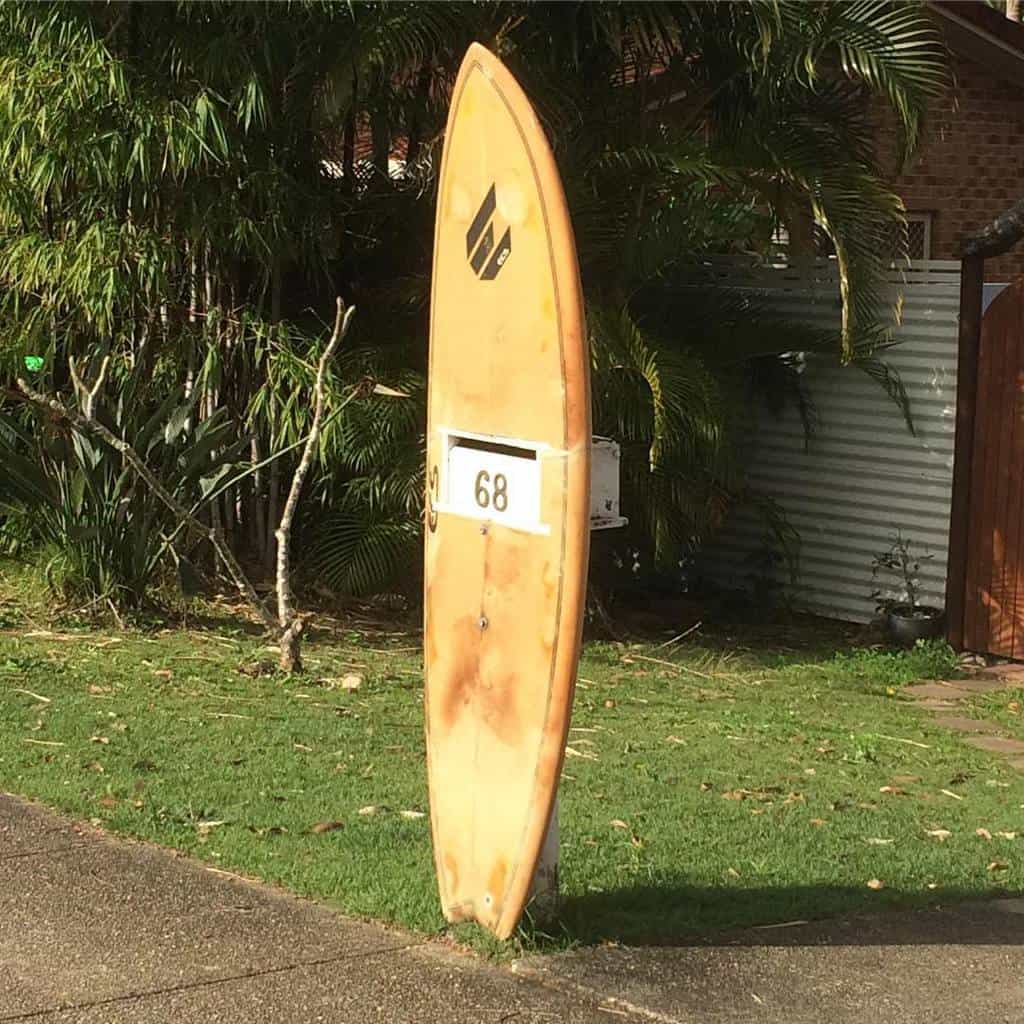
103, 532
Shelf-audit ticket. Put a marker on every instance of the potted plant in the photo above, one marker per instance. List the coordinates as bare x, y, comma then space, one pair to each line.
898, 599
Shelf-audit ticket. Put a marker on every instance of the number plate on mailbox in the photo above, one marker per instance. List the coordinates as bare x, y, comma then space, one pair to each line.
497, 479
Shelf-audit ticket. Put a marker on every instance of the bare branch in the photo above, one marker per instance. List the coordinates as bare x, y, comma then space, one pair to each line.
285, 599
998, 235
86, 395
87, 425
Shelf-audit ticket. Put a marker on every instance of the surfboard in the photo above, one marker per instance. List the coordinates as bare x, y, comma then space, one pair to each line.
508, 478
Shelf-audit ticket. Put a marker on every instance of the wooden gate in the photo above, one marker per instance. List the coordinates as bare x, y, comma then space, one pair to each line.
994, 592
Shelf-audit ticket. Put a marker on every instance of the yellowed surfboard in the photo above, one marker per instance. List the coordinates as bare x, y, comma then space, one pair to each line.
508, 477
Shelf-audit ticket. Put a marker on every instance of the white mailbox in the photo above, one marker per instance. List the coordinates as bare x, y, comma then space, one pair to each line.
604, 485
498, 479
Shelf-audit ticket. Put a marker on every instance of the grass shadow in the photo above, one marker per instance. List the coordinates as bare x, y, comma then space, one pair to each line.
687, 915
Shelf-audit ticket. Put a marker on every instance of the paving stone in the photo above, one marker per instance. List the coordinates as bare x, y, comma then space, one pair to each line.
959, 724
987, 684
937, 691
1011, 671
996, 744
934, 704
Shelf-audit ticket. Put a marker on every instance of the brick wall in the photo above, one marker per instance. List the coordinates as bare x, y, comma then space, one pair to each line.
970, 167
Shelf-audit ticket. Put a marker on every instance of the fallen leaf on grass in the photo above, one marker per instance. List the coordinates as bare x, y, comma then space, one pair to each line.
876, 884
94, 767
983, 832
1007, 835
412, 815
370, 809
618, 823
933, 885
351, 682
674, 739
893, 791
164, 673
942, 834
99, 739
705, 786
817, 822
302, 746
326, 826
609, 703
998, 865
108, 801
732, 873
96, 690
947, 792
874, 841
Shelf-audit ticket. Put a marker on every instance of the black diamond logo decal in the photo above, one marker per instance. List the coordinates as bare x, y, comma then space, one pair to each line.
484, 256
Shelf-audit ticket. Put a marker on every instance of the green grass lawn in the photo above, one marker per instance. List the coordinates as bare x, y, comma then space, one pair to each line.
726, 780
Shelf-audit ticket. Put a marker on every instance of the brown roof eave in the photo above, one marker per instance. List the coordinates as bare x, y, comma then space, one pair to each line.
983, 35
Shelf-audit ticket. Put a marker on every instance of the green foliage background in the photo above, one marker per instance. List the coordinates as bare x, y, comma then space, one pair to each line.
186, 187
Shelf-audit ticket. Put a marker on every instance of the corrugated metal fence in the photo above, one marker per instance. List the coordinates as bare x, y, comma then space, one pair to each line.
862, 476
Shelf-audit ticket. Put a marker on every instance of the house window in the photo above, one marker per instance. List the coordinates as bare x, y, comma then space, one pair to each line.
919, 236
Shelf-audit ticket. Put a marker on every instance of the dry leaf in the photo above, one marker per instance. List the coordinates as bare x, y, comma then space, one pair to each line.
302, 746
983, 832
636, 840
893, 791
94, 690
998, 865
955, 796
609, 703
876, 884
351, 682
369, 809
818, 822
1007, 835
411, 815
705, 786
99, 739
108, 801
326, 826
618, 823
879, 842
94, 767
164, 673
732, 873
674, 739
942, 834
933, 885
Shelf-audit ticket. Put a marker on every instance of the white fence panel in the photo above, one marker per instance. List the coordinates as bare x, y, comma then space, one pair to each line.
862, 476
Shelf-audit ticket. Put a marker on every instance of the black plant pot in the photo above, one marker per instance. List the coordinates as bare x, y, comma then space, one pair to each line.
907, 625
